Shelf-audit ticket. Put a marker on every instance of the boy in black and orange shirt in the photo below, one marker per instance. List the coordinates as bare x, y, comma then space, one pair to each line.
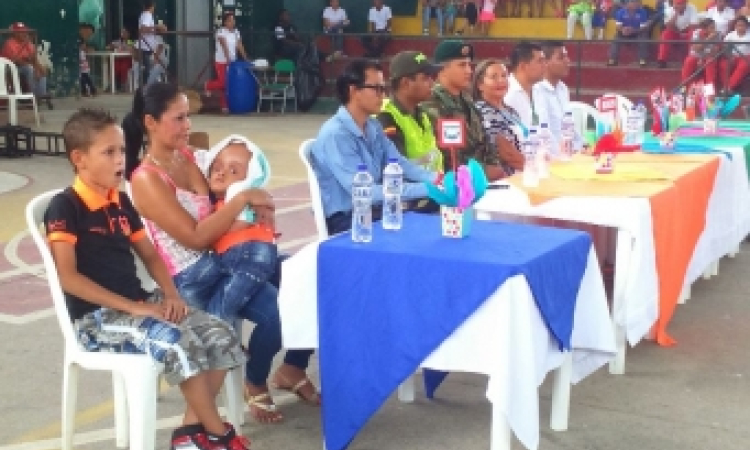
91, 228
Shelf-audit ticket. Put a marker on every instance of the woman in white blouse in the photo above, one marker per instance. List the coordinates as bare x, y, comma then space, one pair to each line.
228, 45
735, 67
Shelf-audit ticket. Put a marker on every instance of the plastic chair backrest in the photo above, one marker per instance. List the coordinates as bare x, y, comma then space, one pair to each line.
284, 66
5, 66
34, 221
315, 199
581, 114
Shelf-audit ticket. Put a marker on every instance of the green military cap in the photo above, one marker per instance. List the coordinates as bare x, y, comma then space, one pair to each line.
409, 63
452, 49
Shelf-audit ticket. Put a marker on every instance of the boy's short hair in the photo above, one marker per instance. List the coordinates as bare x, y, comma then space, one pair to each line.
80, 128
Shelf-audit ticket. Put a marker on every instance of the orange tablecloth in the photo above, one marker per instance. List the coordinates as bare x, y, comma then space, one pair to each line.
678, 209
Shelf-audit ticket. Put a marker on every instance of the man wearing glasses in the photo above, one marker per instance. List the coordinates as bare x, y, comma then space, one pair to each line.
449, 100
353, 137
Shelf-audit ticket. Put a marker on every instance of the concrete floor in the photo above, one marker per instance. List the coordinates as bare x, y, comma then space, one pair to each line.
692, 396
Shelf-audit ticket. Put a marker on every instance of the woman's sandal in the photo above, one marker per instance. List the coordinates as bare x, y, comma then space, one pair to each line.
282, 383
260, 403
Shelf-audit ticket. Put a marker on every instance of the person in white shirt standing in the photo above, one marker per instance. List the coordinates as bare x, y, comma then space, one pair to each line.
527, 64
334, 22
551, 95
736, 67
379, 20
722, 14
228, 44
147, 30
680, 20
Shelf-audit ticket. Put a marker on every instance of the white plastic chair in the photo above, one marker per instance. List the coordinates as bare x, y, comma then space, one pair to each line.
134, 376
623, 105
582, 112
5, 66
315, 198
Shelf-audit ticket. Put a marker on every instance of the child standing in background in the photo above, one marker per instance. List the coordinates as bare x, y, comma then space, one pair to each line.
487, 16
87, 85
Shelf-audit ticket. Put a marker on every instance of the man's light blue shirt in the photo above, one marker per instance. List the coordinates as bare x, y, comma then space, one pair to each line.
341, 146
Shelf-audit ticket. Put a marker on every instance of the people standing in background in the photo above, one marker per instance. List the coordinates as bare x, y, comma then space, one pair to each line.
86, 84
680, 20
432, 8
379, 23
487, 16
228, 45
632, 23
147, 29
450, 14
468, 9
581, 11
551, 95
287, 44
334, 22
122, 63
735, 68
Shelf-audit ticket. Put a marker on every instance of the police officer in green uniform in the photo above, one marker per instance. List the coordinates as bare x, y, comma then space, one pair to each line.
450, 100
403, 120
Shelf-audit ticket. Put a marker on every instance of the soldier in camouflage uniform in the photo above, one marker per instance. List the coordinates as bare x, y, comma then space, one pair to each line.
449, 100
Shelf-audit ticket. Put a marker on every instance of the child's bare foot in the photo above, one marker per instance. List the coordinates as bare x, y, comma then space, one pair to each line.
262, 407
295, 380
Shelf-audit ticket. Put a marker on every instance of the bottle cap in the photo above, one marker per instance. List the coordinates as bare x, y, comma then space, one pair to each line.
362, 168
568, 113
544, 125
392, 160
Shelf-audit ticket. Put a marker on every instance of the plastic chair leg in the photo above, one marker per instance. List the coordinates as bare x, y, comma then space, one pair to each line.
406, 390
70, 394
233, 389
36, 111
141, 393
13, 111
121, 411
560, 409
500, 437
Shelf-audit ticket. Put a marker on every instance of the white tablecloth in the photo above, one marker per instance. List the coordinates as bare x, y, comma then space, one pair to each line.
505, 338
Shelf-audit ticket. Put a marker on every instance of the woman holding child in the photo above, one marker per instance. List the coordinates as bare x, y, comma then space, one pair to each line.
172, 195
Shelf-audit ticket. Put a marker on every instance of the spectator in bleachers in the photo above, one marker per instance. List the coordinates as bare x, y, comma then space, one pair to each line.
287, 44
21, 51
632, 23
703, 51
722, 15
581, 11
680, 20
527, 65
602, 10
487, 16
379, 24
334, 22
432, 8
551, 95
452, 8
735, 68
500, 121
744, 10
450, 99
468, 9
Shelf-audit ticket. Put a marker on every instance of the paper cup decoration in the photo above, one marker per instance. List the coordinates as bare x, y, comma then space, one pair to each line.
456, 221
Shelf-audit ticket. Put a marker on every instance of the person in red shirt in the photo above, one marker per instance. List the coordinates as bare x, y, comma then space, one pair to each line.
22, 52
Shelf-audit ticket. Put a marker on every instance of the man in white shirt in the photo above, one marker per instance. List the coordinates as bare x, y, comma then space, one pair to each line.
551, 96
334, 21
527, 64
722, 14
147, 29
679, 22
379, 20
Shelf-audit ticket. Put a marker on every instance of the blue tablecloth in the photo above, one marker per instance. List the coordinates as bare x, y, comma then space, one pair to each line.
383, 307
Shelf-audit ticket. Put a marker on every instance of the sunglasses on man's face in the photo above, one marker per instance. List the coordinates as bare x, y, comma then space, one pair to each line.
379, 89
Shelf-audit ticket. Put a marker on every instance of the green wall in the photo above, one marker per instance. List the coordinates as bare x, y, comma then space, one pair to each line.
61, 32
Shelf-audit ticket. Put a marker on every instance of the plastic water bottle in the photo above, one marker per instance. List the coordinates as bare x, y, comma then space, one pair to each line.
642, 116
393, 184
362, 205
632, 126
545, 142
530, 171
540, 142
690, 107
567, 135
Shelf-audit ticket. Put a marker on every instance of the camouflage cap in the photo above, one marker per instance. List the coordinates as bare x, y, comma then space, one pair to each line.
452, 49
409, 63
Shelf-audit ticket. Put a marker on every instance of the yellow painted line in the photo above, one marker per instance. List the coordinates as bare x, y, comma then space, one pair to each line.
85, 417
